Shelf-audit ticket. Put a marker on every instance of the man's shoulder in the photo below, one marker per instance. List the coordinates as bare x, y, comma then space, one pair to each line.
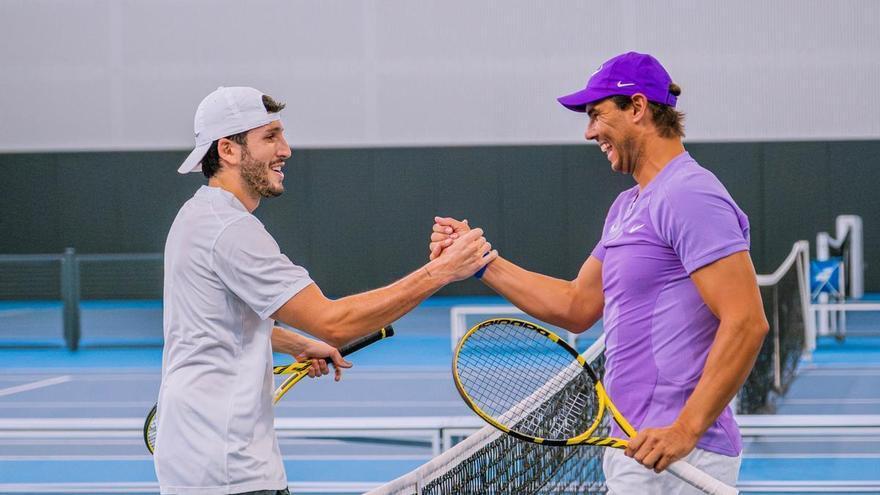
689, 172
201, 218
688, 180
212, 212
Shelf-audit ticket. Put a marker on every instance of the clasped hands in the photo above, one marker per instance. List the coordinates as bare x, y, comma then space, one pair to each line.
459, 248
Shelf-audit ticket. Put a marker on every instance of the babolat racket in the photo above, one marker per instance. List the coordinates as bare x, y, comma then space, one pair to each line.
297, 372
529, 383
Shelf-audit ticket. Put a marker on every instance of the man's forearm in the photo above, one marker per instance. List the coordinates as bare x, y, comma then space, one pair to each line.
350, 316
548, 299
340, 321
287, 342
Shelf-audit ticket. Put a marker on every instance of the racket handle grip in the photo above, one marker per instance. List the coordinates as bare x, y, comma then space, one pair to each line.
699, 479
356, 345
353, 346
382, 333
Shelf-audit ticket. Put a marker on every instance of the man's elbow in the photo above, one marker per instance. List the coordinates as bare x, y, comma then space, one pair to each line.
335, 340
760, 324
575, 326
580, 321
326, 331
748, 329
757, 327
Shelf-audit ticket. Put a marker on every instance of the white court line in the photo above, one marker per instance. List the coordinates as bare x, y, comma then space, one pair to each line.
828, 401
840, 372
812, 456
101, 458
152, 377
304, 403
146, 370
35, 385
78, 405
368, 372
80, 442
300, 403
843, 439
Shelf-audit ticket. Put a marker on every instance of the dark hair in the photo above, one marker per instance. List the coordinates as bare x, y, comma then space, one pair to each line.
211, 160
669, 121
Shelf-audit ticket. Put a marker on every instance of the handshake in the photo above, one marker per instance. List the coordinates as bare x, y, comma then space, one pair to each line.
457, 251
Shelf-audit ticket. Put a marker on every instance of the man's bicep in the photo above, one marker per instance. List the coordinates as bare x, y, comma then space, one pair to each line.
729, 287
305, 310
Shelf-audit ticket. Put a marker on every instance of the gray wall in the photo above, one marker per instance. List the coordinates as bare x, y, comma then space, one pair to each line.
128, 74
359, 218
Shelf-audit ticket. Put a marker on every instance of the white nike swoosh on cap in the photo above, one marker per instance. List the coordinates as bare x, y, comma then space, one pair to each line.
621, 84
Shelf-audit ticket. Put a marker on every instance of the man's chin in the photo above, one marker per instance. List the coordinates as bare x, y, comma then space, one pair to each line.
273, 193
619, 168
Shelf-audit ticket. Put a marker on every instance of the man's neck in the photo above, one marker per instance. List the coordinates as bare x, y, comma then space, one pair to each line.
234, 185
657, 152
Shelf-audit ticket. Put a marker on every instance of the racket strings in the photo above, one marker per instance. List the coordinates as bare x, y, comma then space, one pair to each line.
152, 427
527, 382
151, 433
565, 414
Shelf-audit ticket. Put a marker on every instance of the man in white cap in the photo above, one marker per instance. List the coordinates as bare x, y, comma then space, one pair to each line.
226, 281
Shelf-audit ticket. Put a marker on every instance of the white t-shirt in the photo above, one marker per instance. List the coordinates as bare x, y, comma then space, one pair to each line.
224, 277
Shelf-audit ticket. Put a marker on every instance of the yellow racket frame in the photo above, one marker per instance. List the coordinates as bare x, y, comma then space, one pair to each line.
604, 401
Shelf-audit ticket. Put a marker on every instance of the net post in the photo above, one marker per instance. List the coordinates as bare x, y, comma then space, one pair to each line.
777, 344
70, 298
856, 268
822, 254
803, 263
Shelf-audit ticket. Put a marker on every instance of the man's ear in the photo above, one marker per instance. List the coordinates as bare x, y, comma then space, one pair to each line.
228, 151
639, 108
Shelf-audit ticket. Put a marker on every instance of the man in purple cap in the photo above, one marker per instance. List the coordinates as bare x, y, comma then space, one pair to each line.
671, 276
226, 282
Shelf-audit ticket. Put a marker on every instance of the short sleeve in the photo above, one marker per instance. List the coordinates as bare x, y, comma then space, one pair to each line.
249, 262
700, 222
599, 251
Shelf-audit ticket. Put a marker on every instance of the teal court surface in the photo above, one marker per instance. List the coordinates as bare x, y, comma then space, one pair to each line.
70, 422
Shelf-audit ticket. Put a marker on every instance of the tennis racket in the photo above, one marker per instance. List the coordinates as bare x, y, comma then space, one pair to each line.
529, 383
297, 372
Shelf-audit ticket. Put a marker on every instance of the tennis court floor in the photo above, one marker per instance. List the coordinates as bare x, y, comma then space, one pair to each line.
406, 377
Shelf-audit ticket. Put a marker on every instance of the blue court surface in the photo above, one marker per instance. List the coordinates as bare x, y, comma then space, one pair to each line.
49, 397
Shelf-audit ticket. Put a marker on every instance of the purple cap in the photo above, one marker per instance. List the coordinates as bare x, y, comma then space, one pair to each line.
627, 75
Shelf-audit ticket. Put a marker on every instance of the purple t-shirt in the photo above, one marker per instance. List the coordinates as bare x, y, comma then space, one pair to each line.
658, 330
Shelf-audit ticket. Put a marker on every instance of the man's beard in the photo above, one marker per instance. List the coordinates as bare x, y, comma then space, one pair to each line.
628, 155
256, 175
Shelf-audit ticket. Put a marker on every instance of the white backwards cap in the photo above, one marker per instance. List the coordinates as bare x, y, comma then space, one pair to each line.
225, 112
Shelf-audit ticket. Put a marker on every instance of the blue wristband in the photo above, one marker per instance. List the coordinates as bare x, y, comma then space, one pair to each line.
481, 271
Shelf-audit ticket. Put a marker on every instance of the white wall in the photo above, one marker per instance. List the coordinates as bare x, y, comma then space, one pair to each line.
128, 74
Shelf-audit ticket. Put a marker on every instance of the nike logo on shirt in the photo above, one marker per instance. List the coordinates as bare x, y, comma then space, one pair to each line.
635, 228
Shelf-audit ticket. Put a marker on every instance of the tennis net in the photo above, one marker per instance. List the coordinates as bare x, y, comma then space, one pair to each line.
786, 295
492, 463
